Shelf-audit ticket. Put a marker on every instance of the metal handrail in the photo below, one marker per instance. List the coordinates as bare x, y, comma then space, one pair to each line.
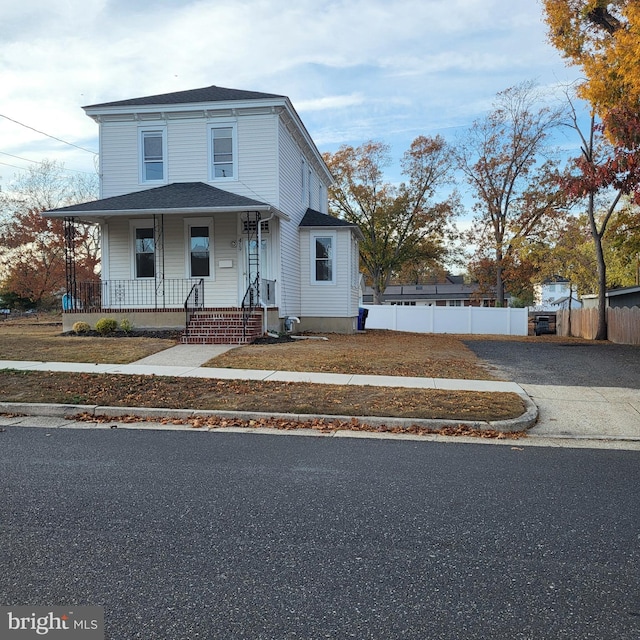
194, 301
253, 294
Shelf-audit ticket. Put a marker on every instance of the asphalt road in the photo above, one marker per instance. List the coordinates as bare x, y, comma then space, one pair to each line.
569, 364
187, 535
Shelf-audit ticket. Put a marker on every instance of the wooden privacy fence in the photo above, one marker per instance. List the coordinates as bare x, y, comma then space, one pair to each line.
623, 324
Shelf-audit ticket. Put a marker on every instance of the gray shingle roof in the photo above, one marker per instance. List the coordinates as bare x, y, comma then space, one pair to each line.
179, 195
205, 94
313, 218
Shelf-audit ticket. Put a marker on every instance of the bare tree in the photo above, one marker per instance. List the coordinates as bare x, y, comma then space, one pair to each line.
514, 185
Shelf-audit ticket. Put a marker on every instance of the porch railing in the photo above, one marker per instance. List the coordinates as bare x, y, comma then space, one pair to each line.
194, 301
171, 293
131, 294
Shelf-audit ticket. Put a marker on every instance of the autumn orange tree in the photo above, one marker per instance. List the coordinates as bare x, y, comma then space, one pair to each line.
32, 247
603, 38
401, 223
514, 185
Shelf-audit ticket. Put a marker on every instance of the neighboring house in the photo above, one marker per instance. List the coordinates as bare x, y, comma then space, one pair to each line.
450, 292
623, 297
555, 293
213, 201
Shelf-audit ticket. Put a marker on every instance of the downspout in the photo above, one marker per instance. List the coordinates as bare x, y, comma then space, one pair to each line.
261, 302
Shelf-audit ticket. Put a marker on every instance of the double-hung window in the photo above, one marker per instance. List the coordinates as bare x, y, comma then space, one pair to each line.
153, 155
323, 267
223, 151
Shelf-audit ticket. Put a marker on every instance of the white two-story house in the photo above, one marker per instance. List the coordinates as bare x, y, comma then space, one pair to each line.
213, 218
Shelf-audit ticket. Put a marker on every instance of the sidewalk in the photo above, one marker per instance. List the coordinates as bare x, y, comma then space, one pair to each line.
584, 414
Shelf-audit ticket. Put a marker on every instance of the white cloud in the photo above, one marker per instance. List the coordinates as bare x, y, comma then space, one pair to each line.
354, 69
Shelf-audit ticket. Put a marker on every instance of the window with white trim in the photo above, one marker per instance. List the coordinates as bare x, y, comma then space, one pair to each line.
223, 151
323, 258
145, 250
199, 255
153, 154
199, 246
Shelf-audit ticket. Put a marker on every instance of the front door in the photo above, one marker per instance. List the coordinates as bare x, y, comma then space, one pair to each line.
256, 263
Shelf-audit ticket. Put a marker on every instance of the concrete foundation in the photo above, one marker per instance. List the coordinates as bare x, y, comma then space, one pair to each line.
163, 319
327, 325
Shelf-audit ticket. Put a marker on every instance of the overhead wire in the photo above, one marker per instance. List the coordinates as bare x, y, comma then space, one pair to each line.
71, 144
11, 155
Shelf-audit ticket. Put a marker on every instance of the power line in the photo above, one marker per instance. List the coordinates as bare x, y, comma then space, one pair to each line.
4, 153
15, 166
48, 135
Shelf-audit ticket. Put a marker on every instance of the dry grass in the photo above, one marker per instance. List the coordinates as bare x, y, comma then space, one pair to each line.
240, 395
386, 353
42, 340
376, 352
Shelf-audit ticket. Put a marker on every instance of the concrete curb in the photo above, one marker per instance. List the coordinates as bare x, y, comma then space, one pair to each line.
521, 423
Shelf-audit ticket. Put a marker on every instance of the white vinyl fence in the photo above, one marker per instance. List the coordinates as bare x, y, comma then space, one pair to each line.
432, 319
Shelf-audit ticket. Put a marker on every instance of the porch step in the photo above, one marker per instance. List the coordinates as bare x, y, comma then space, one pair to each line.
222, 327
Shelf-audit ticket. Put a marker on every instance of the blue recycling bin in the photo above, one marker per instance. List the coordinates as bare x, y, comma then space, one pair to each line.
362, 318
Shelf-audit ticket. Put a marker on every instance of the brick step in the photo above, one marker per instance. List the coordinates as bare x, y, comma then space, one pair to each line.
222, 327
218, 321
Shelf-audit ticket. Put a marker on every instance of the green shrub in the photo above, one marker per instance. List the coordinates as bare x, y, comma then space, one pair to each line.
126, 325
104, 326
81, 327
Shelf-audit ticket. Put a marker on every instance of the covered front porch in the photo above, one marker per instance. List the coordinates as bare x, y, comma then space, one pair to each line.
176, 304
174, 251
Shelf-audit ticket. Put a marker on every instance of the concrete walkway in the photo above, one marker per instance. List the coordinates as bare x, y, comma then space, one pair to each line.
586, 412
582, 413
186, 355
191, 371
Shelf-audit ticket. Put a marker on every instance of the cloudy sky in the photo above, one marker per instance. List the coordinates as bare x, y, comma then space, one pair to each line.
354, 69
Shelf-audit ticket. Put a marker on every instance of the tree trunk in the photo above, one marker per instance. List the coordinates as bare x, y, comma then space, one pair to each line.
569, 314
601, 333
499, 280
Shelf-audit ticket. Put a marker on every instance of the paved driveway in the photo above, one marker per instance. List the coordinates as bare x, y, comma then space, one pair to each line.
567, 364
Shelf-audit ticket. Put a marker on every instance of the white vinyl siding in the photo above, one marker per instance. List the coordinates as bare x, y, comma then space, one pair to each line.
290, 198
257, 159
187, 155
119, 160
325, 300
187, 145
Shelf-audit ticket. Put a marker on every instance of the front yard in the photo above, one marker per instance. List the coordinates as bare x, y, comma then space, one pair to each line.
376, 352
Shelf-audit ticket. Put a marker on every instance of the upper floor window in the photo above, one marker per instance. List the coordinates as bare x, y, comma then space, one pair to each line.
223, 151
153, 154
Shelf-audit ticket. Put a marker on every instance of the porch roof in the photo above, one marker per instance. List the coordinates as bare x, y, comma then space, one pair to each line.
176, 198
